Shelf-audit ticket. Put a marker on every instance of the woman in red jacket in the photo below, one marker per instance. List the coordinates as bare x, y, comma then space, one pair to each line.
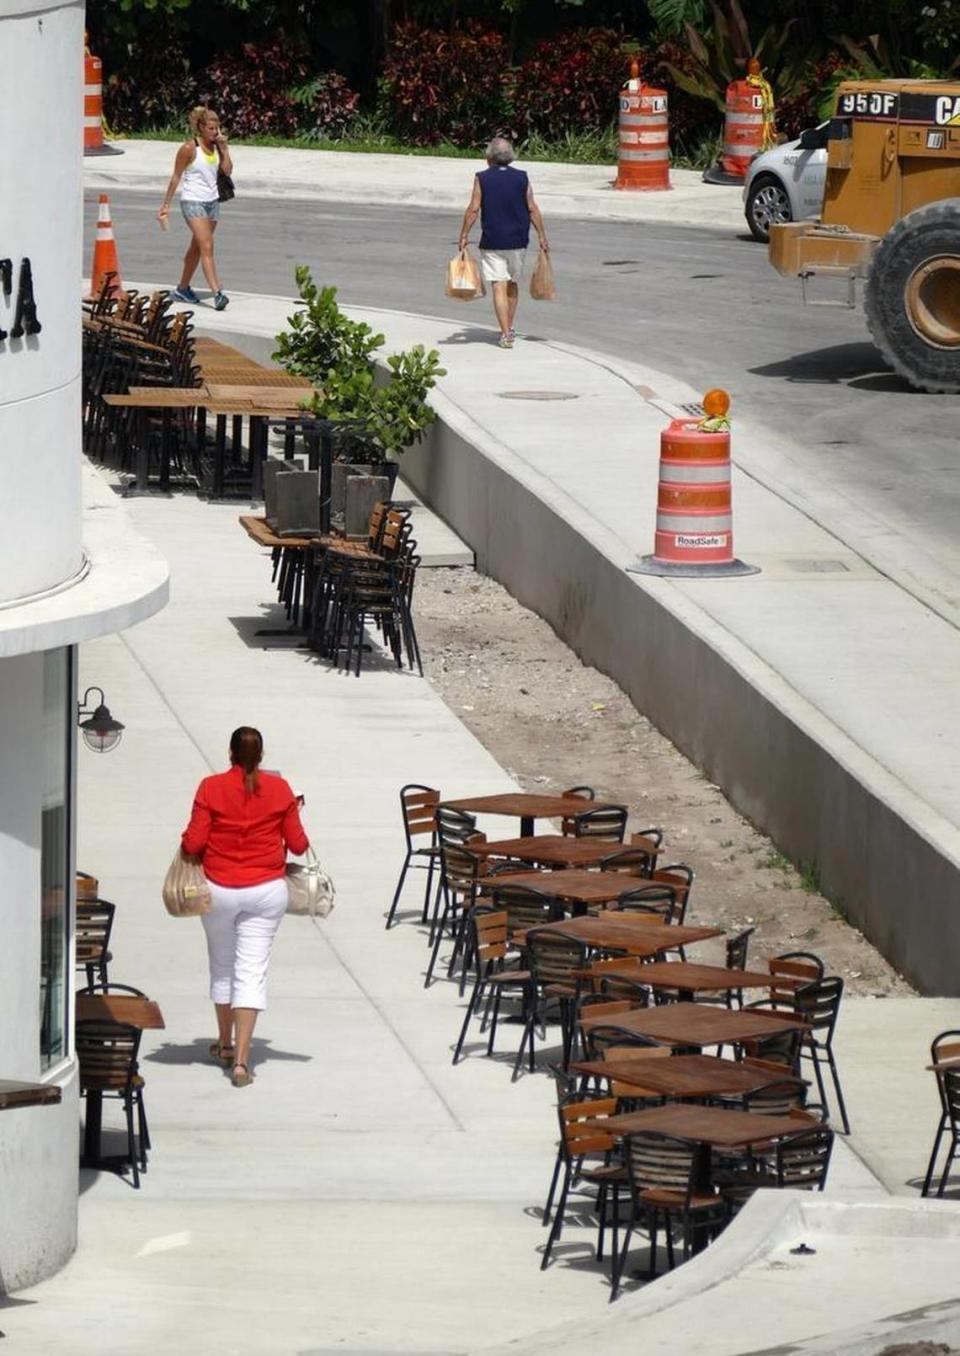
243, 823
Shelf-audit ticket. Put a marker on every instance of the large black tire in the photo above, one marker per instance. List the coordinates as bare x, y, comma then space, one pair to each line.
912, 299
767, 202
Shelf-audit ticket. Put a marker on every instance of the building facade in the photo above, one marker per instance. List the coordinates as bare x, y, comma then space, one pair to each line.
71, 568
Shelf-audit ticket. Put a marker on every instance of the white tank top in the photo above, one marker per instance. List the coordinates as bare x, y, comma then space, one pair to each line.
198, 182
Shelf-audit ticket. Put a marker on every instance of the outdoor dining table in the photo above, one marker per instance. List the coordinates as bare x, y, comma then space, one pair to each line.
710, 1126
578, 888
130, 1010
697, 1024
561, 850
524, 805
15, 1094
630, 933
689, 978
681, 1076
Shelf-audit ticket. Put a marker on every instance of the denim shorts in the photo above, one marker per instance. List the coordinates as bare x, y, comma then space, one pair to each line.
210, 210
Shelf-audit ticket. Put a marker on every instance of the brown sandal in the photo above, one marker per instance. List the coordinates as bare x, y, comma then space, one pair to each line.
241, 1080
223, 1054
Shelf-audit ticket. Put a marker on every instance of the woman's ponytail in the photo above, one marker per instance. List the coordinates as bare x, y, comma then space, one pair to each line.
246, 751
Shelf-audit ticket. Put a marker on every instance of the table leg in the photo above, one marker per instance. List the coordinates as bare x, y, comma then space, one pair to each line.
93, 1120
326, 479
142, 453
166, 436
236, 441
289, 438
526, 826
258, 452
219, 456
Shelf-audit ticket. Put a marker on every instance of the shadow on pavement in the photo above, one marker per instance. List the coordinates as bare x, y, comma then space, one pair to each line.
857, 365
198, 1052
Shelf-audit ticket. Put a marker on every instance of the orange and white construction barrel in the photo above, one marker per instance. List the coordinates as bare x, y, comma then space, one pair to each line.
749, 124
643, 156
694, 529
92, 101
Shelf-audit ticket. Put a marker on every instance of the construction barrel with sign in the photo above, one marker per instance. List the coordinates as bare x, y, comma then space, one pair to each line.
891, 218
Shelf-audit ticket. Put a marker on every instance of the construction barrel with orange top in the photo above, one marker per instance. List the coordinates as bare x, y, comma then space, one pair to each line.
749, 125
643, 157
92, 100
694, 531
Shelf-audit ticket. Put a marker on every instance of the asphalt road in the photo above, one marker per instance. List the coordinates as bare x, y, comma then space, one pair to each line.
702, 305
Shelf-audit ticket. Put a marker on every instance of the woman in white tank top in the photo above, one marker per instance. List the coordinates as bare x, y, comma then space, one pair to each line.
195, 171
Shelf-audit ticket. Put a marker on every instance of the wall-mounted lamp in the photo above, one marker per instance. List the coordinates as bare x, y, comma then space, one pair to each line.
100, 731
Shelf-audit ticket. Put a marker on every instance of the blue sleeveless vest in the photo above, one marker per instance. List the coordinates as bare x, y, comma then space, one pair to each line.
504, 215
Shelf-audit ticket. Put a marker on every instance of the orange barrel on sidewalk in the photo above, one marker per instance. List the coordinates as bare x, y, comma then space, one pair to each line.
643, 157
92, 100
749, 125
694, 531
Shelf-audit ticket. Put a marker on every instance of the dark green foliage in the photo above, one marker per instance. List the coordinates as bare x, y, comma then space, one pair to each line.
440, 86
570, 84
249, 89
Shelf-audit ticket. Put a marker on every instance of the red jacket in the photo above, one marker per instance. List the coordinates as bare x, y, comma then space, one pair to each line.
242, 837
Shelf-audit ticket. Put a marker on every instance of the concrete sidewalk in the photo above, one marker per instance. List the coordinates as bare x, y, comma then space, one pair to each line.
363, 1195
826, 641
580, 191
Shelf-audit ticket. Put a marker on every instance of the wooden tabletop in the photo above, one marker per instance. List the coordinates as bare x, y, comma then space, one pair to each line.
946, 1065
525, 805
579, 887
685, 1075
637, 935
696, 1023
692, 977
556, 849
257, 378
262, 394
14, 1094
120, 1007
704, 1124
159, 398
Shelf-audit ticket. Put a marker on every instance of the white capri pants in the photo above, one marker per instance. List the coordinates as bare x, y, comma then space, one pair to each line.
240, 930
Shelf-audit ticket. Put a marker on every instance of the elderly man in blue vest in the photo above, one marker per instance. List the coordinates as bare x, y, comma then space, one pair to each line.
504, 201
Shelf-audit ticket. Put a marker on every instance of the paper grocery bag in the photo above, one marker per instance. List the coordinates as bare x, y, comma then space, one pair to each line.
464, 282
542, 285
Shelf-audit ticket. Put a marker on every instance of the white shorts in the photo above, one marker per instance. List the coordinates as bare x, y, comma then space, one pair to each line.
502, 265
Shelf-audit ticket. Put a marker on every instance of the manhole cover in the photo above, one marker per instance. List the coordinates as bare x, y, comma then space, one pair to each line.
538, 395
819, 566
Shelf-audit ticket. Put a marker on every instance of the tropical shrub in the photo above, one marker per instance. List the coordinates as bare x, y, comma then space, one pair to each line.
569, 84
249, 89
327, 106
440, 86
338, 355
155, 89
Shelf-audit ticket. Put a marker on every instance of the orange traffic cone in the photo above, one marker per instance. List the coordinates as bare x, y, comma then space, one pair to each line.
105, 253
694, 533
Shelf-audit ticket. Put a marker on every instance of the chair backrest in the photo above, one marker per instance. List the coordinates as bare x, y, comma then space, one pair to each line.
583, 793
660, 1162
736, 949
804, 1161
633, 1092
802, 965
945, 1046
525, 907
599, 1039
94, 925
630, 861
819, 1004
418, 805
489, 937
556, 958
609, 822
107, 1054
653, 899
679, 877
777, 1099
780, 1047
950, 1083
459, 869
88, 887
576, 1139
453, 826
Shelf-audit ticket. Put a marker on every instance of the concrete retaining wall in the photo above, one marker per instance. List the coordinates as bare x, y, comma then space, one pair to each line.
767, 754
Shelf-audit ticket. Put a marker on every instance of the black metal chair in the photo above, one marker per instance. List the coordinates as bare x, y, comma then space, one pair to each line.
418, 807
663, 1176
94, 926
489, 949
945, 1047
579, 1143
460, 872
556, 961
107, 1056
819, 1004
608, 821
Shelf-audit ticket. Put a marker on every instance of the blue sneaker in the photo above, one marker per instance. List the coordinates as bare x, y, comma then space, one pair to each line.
220, 301
185, 294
